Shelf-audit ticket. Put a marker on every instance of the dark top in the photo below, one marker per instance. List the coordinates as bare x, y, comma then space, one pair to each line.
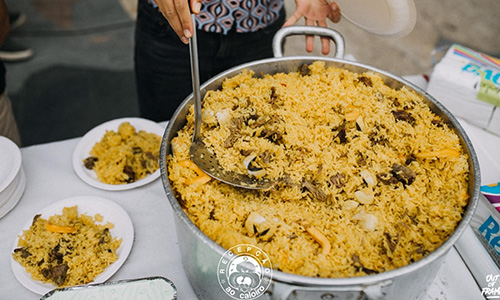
2, 77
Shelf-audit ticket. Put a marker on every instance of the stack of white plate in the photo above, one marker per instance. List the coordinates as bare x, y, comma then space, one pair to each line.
12, 178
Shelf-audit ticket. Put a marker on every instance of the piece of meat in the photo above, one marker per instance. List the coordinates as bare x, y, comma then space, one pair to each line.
341, 137
366, 80
59, 273
89, 162
265, 156
402, 115
274, 95
56, 273
304, 70
404, 174
357, 263
231, 139
136, 150
130, 172
387, 178
272, 135
24, 252
338, 180
317, 193
391, 241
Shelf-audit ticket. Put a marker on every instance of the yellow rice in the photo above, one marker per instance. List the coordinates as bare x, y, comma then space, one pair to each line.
126, 149
338, 132
87, 252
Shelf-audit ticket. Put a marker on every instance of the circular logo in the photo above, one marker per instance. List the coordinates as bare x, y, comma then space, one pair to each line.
244, 272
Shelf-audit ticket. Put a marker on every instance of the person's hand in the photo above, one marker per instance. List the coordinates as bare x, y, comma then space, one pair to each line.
178, 15
315, 12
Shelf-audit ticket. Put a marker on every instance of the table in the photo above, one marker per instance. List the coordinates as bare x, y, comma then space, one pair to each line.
50, 178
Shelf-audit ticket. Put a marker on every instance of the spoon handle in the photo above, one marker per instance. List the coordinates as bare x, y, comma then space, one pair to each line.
195, 76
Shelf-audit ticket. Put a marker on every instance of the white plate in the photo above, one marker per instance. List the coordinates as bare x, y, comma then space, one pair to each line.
15, 194
10, 162
82, 151
384, 17
89, 205
8, 191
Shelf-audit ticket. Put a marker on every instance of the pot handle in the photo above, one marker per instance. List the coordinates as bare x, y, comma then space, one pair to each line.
337, 38
282, 291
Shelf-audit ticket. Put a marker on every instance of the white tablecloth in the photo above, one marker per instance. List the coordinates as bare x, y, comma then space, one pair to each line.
50, 178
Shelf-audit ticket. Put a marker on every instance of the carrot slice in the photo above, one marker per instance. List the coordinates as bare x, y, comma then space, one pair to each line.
190, 164
59, 229
202, 176
319, 237
447, 152
198, 179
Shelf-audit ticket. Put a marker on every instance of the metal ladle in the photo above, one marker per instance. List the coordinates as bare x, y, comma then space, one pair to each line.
200, 154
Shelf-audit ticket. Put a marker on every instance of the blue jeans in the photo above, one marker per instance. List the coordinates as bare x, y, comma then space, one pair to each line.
162, 65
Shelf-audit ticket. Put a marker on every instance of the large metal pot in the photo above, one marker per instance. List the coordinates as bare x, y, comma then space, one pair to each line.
201, 255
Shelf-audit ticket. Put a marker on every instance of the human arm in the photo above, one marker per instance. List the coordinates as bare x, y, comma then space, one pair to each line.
178, 15
315, 11
4, 22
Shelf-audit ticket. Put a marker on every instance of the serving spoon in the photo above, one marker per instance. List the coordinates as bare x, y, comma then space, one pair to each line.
200, 154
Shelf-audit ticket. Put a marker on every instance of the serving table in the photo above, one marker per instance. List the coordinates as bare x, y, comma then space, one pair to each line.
155, 252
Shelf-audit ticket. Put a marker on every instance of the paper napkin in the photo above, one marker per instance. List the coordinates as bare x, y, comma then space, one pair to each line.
467, 82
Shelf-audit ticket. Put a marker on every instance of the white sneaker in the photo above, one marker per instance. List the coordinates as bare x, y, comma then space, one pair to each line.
16, 19
12, 51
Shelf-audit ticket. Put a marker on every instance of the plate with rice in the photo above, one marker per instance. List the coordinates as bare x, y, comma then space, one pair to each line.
48, 252
120, 154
